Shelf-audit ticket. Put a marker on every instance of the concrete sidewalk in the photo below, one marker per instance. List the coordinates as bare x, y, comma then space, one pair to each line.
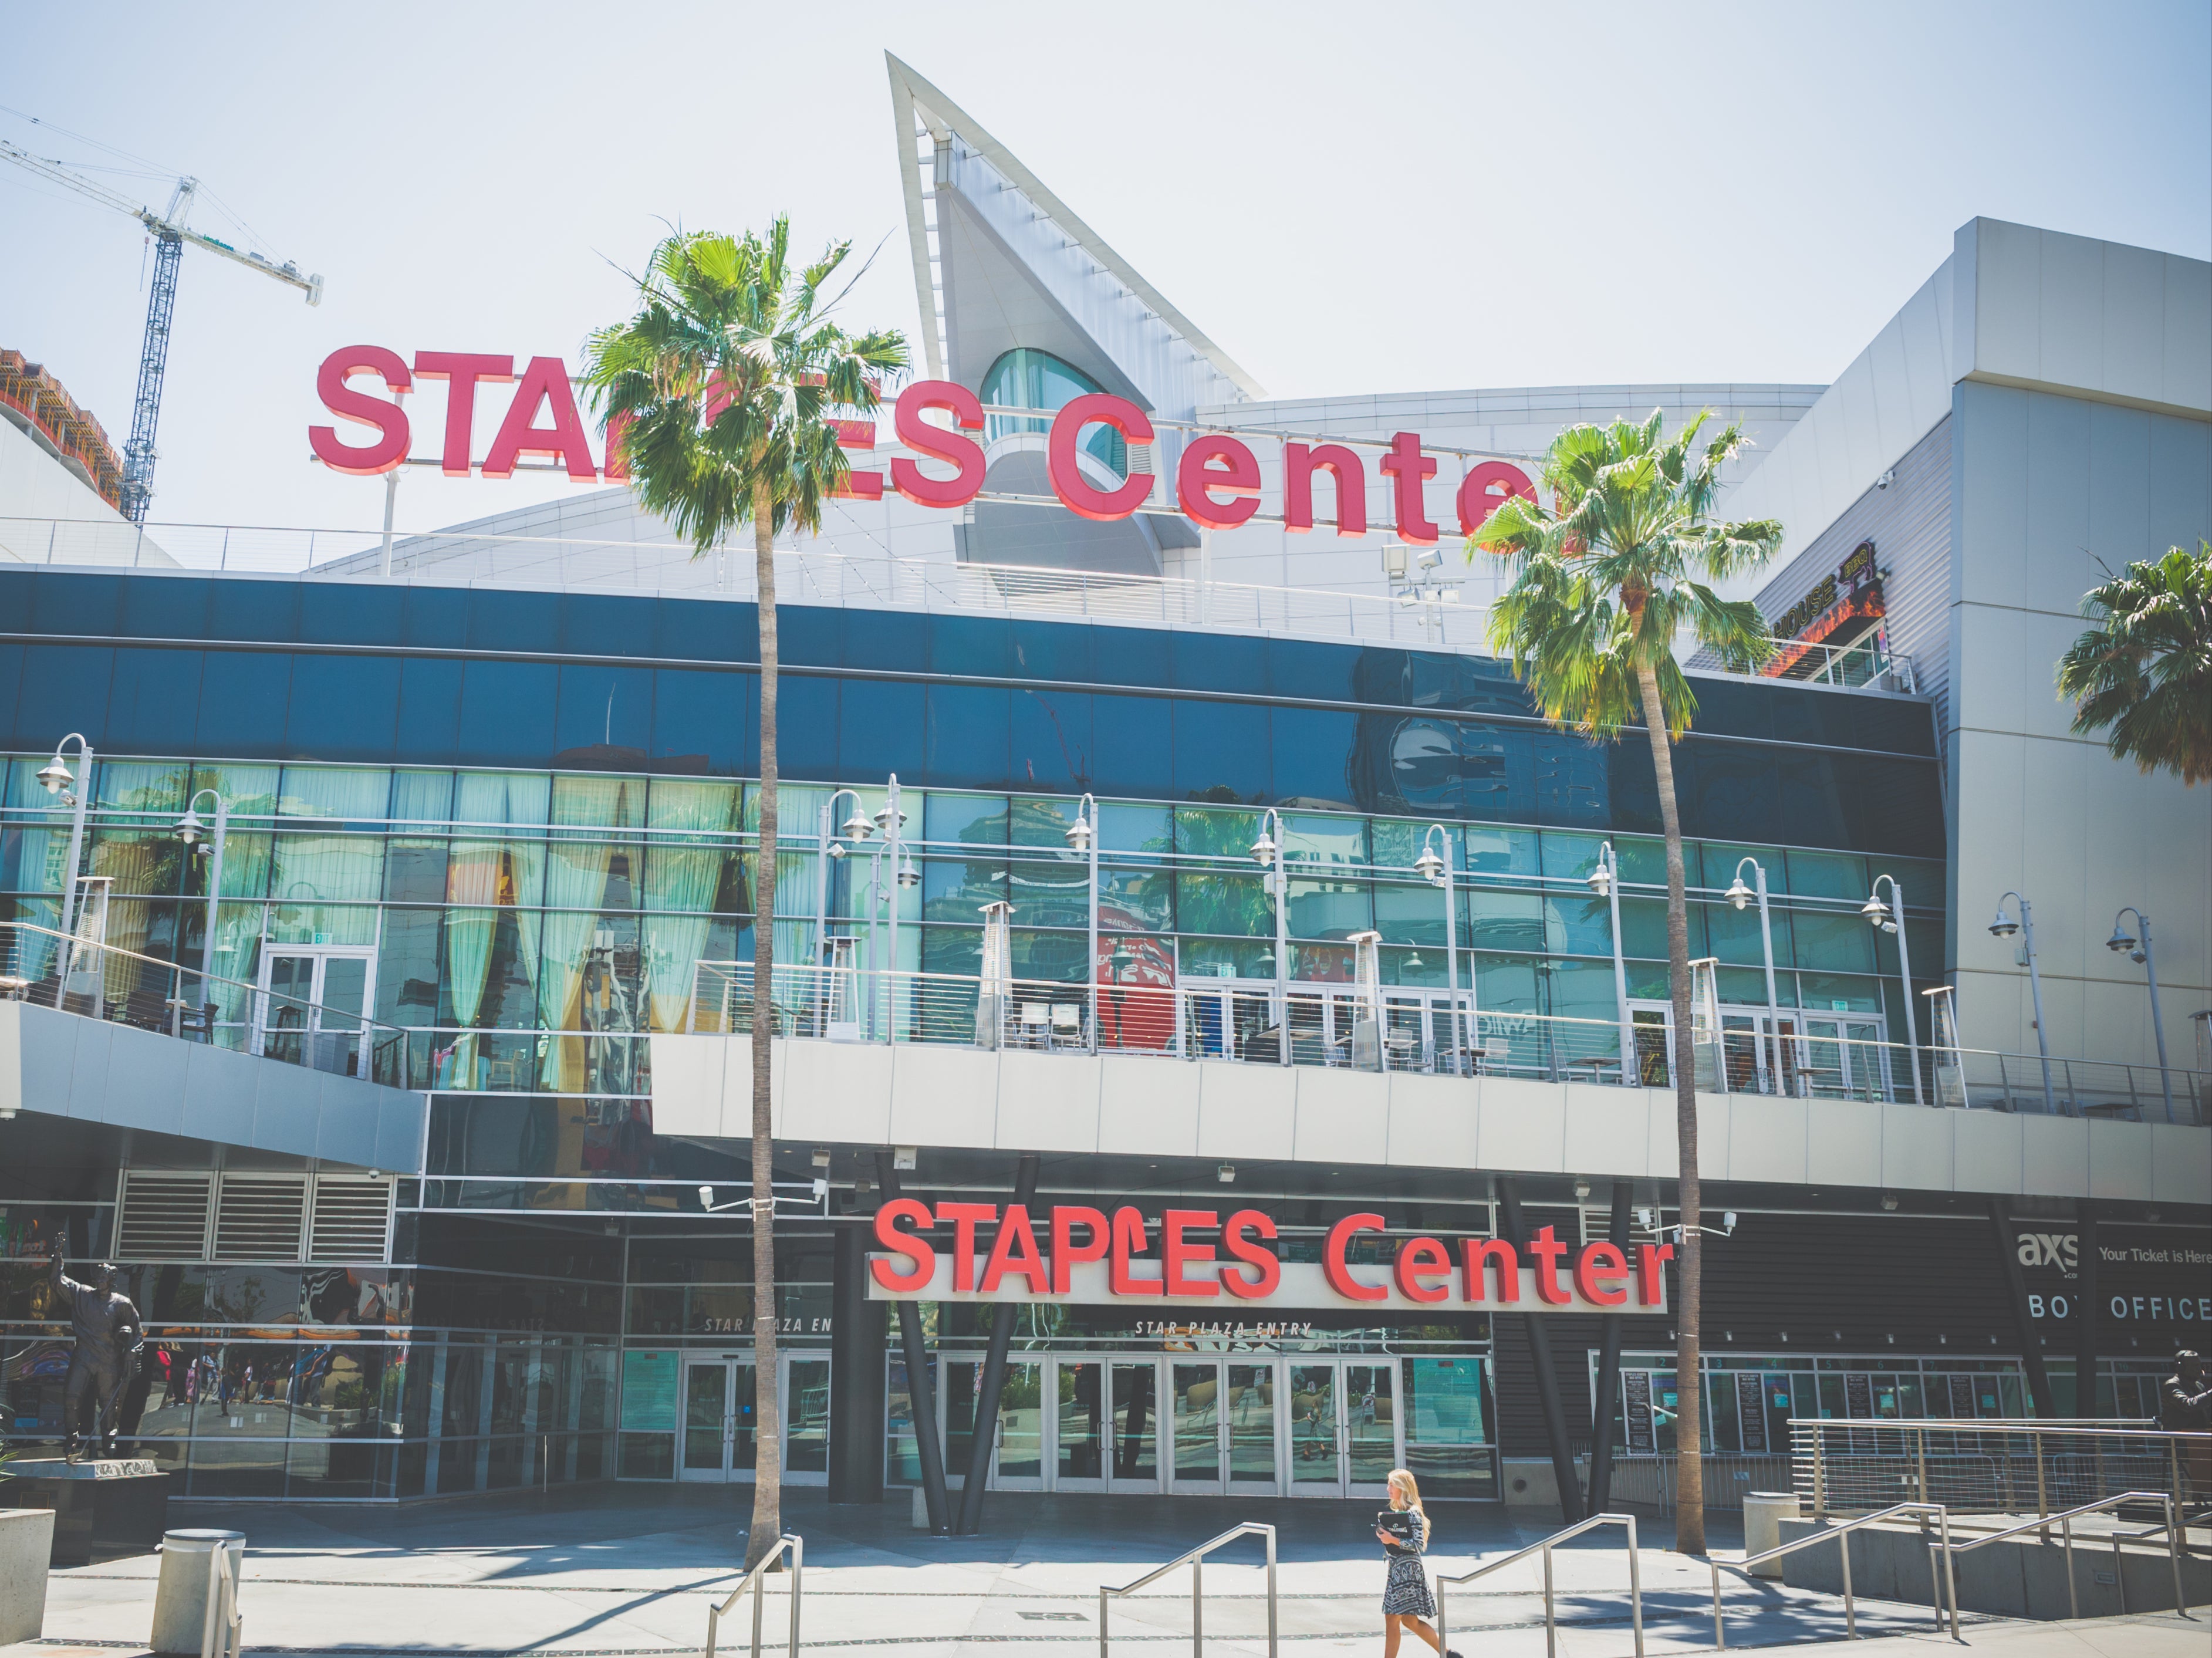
629, 1571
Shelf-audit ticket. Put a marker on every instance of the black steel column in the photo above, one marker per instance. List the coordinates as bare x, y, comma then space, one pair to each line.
922, 1397
1539, 1353
2085, 1312
1608, 1370
1003, 1315
2031, 1345
856, 1371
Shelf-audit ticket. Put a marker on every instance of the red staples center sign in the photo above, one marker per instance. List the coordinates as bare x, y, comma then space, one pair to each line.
1216, 482
1080, 1256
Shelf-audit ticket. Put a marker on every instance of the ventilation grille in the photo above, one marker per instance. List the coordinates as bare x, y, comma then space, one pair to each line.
259, 1217
352, 1220
163, 1217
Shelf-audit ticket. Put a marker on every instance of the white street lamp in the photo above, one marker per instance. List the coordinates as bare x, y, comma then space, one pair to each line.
1436, 871
1890, 918
2003, 927
1269, 856
2122, 940
890, 820
60, 782
1740, 896
1604, 881
190, 829
1082, 837
827, 848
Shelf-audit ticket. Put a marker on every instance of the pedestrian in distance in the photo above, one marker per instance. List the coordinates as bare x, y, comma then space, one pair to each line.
1404, 1535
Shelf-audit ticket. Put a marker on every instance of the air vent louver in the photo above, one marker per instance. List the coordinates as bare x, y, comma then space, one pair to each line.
352, 1220
259, 1217
163, 1217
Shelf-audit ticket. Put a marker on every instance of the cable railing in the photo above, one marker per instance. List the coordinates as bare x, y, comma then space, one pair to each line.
1544, 1548
1988, 1465
1195, 1559
1398, 1028
1838, 1534
789, 1544
2065, 1523
848, 567
86, 976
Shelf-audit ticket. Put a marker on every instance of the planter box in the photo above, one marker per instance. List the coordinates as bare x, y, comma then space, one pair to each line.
27, 1543
101, 1509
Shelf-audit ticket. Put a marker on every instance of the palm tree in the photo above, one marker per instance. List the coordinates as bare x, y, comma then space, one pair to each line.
717, 394
1604, 581
2143, 672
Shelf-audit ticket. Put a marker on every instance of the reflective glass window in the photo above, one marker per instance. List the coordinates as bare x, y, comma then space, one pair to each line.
64, 688
1055, 957
430, 710
1297, 667
1407, 764
1050, 650
160, 609
705, 723
507, 711
328, 869
1051, 746
1056, 892
154, 702
137, 860
1734, 937
1025, 378
254, 609
243, 698
1828, 875
415, 871
1133, 829
1219, 662
1133, 742
1843, 994
1410, 912
879, 730
1831, 941
691, 630
1309, 839
607, 624
501, 800
807, 728
1135, 900
1204, 832
1505, 921
894, 641
1583, 990
1238, 905
407, 966
422, 797
1732, 791
11, 682
1817, 798
956, 889
606, 716
1573, 783
1577, 924
511, 619
1497, 772
155, 786
1503, 852
350, 612
973, 644
1221, 752
1227, 958
340, 794
1504, 984
1643, 928
968, 819
966, 737
1331, 908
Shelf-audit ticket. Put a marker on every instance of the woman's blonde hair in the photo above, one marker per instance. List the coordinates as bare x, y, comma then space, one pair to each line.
1401, 1479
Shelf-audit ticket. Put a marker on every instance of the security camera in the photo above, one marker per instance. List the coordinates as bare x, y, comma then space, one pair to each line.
706, 1197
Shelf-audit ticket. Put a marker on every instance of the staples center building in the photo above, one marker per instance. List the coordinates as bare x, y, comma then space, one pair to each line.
1325, 1155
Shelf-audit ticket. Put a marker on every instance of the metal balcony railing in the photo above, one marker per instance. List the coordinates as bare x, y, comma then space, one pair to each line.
98, 980
1990, 1466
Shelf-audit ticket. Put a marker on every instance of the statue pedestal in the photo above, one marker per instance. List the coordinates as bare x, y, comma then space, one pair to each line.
103, 1506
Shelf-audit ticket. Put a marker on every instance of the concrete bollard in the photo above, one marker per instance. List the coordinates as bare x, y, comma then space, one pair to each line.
1763, 1515
180, 1597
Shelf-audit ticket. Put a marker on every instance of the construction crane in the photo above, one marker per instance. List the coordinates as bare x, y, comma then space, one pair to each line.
170, 234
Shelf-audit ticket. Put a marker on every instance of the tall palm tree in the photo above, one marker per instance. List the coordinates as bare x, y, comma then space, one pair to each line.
719, 393
2142, 673
1604, 581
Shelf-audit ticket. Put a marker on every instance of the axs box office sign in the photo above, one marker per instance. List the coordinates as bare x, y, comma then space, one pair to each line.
1080, 1256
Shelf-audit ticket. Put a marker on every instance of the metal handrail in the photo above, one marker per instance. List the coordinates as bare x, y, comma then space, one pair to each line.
790, 1543
1196, 1561
1850, 1611
2065, 1520
1544, 1548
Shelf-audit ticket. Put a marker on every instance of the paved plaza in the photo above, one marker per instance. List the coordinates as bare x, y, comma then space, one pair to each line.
629, 1571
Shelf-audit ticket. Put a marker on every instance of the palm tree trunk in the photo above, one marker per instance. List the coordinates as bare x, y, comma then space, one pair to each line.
1689, 1466
767, 1466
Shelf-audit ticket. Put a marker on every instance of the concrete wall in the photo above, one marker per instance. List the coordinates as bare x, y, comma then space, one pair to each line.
871, 1095
69, 1066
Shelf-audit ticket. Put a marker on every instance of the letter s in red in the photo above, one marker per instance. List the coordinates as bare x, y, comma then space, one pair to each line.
937, 444
388, 419
905, 1244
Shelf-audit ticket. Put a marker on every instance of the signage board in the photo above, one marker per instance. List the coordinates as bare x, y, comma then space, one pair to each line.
1075, 1255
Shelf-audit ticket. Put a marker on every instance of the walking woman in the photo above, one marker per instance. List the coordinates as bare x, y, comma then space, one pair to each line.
1405, 1598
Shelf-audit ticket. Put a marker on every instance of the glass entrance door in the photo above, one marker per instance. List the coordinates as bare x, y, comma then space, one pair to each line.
1842, 1057
1133, 1462
805, 1400
1223, 1417
1018, 1442
718, 1442
313, 1007
1344, 1427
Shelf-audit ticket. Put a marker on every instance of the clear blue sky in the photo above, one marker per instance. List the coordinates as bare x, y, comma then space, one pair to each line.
1349, 197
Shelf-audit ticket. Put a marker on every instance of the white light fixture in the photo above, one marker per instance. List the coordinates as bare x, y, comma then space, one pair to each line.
858, 828
2004, 926
706, 1197
56, 775
1078, 835
190, 827
1889, 1200
1582, 1191
821, 1157
1738, 894
904, 1157
1226, 1173
1429, 866
1263, 850
1877, 914
1601, 880
908, 876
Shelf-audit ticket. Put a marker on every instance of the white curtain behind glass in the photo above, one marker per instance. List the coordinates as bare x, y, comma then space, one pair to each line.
682, 873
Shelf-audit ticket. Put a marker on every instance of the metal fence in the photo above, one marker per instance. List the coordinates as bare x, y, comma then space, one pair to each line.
94, 980
1399, 1028
1991, 1466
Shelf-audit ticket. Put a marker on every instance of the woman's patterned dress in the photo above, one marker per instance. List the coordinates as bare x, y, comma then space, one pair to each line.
1405, 1593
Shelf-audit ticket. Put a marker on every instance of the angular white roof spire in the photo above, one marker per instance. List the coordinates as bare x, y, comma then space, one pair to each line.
958, 181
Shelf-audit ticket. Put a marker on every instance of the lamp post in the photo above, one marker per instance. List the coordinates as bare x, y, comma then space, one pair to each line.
1082, 837
61, 783
2003, 927
1890, 918
890, 820
1436, 871
1740, 896
1604, 881
826, 849
2121, 940
1269, 853
190, 829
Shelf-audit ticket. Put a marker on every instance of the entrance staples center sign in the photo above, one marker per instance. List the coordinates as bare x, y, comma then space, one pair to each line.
1218, 478
1076, 1255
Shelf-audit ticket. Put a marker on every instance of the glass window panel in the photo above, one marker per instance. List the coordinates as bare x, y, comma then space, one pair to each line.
153, 702
346, 793
1574, 787
1313, 757
1446, 1443
704, 722
1571, 855
599, 803
64, 689
1828, 875
1055, 957
312, 869
971, 645
1497, 772
1227, 958
712, 808
1133, 742
31, 860
1395, 843
807, 730
1733, 791
1124, 827
243, 697
978, 819
322, 924
1055, 893
1505, 920
1643, 862
1221, 752
607, 624
1833, 942
422, 797
1409, 764
1584, 990
1503, 852
606, 716
501, 798
495, 873
507, 708
955, 890
1578, 924
1733, 935
407, 965
1228, 835
1314, 840
1839, 992
957, 950
350, 613
1137, 900
1331, 909
1409, 913
966, 736
1051, 738
343, 708
1238, 905
139, 860
415, 871
1643, 929
880, 730
429, 711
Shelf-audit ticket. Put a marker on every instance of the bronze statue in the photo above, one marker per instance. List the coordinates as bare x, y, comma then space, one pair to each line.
109, 1340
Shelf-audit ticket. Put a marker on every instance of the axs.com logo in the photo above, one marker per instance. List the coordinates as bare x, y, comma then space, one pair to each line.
2059, 1249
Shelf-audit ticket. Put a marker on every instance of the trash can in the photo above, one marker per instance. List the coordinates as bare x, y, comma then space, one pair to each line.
1763, 1515
180, 1597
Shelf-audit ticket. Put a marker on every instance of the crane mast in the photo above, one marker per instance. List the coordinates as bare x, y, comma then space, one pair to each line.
170, 234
